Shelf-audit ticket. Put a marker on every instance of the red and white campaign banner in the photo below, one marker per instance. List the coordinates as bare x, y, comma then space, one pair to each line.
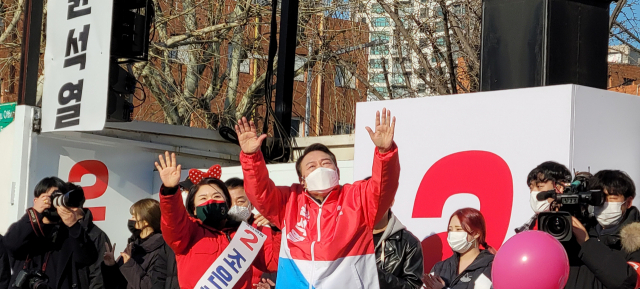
76, 65
476, 150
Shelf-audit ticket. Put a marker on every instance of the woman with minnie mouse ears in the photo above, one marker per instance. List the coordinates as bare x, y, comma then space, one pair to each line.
197, 233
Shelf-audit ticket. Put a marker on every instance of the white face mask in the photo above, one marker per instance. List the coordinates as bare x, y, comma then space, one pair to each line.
458, 241
538, 206
239, 213
609, 214
322, 180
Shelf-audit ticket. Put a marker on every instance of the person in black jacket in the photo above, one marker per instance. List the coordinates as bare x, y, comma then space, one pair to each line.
398, 255
58, 247
598, 253
147, 261
99, 238
469, 267
5, 266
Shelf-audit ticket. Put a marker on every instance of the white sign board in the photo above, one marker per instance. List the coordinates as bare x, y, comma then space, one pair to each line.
476, 150
76, 65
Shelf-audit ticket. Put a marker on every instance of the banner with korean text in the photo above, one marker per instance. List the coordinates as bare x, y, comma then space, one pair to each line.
76, 65
234, 260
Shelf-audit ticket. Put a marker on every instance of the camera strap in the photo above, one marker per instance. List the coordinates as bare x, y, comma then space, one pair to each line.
44, 265
35, 222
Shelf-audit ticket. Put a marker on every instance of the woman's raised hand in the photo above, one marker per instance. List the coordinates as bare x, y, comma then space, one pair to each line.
169, 170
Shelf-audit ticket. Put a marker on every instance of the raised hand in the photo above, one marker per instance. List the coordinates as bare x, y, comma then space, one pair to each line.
169, 170
385, 128
248, 138
108, 257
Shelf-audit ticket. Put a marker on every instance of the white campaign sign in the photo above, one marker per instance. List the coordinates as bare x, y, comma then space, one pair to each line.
476, 150
76, 65
234, 260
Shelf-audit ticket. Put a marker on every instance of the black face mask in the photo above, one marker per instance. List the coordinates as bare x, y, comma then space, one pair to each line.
131, 224
212, 213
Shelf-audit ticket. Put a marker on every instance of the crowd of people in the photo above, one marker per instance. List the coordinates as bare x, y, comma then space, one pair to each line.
318, 234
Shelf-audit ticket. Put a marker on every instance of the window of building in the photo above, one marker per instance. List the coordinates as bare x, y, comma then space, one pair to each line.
296, 126
376, 78
377, 63
377, 8
440, 41
382, 90
398, 78
11, 85
344, 78
380, 35
380, 50
424, 12
459, 9
422, 88
299, 63
438, 12
245, 66
342, 128
380, 22
440, 26
422, 42
437, 58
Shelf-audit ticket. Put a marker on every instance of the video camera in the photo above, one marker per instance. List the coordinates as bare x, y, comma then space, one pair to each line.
74, 198
574, 201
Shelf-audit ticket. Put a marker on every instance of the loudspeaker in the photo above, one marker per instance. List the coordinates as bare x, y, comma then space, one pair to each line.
122, 86
529, 43
130, 29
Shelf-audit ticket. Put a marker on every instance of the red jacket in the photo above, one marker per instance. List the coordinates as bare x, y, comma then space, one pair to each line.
197, 246
328, 245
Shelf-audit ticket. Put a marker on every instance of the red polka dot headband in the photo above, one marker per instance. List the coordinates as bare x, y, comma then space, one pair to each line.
196, 175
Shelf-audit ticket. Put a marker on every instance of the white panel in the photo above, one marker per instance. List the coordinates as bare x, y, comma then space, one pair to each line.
130, 176
524, 127
607, 132
6, 153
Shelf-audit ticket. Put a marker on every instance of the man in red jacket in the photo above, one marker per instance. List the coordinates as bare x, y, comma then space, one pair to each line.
328, 227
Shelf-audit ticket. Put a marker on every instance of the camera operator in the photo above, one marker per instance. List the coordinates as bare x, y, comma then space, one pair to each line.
49, 246
545, 177
597, 258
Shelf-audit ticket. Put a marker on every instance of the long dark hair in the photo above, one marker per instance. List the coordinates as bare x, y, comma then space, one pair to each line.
147, 210
472, 222
191, 207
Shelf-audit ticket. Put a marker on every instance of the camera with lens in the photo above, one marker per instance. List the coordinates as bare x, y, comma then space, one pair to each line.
74, 198
33, 279
573, 202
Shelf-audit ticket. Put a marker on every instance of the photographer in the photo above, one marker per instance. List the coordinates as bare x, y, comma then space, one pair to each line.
49, 246
597, 256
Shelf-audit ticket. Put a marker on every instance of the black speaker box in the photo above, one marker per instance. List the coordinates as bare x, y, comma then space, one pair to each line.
529, 43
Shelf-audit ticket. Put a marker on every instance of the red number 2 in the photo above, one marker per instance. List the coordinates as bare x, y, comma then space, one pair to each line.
98, 169
248, 241
480, 173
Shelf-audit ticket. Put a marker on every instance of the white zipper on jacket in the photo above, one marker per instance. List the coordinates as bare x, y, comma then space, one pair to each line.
313, 244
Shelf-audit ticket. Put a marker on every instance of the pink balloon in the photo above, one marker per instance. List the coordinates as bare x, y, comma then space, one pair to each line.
530, 260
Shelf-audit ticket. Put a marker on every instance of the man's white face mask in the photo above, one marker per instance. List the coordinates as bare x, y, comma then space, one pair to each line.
322, 180
538, 206
609, 214
239, 213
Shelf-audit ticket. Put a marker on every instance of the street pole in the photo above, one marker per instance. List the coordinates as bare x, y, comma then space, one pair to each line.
307, 107
30, 52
